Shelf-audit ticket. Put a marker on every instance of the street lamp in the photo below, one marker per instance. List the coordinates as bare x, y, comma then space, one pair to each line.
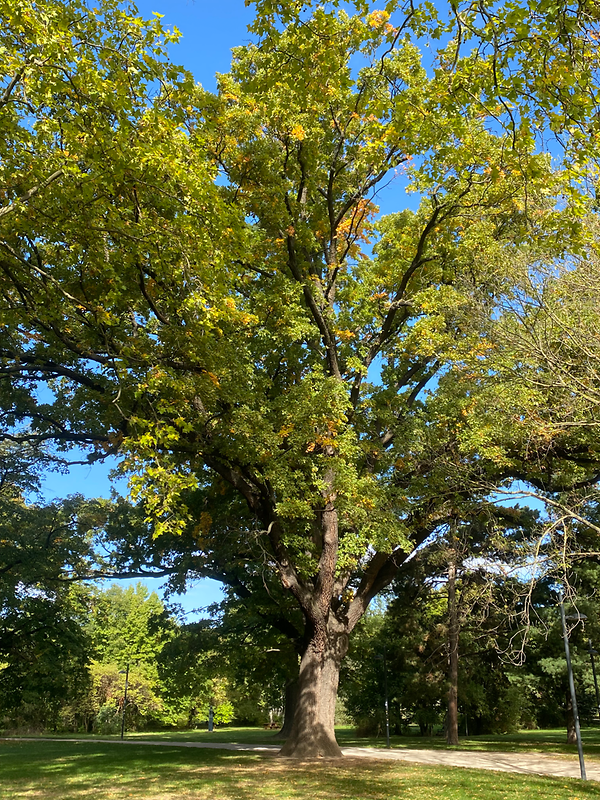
387, 707
578, 618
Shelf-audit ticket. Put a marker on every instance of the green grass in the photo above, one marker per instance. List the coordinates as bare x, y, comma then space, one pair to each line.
547, 741
59, 770
227, 735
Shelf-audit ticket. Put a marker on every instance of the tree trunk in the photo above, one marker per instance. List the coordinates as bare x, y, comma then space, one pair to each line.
571, 732
452, 720
312, 734
291, 698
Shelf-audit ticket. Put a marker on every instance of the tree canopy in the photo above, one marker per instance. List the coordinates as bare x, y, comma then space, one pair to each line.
200, 282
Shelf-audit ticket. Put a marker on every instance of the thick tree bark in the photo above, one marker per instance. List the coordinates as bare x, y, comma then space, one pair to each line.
312, 734
452, 719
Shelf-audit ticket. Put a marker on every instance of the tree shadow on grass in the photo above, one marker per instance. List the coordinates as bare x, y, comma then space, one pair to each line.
71, 771
60, 770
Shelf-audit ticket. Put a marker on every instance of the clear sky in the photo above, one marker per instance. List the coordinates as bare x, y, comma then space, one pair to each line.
209, 31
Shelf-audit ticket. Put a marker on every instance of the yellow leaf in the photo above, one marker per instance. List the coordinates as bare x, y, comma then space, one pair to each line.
298, 132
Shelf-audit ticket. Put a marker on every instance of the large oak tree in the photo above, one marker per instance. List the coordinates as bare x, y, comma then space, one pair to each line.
198, 282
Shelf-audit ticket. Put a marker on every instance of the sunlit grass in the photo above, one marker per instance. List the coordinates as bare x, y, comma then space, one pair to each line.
539, 741
59, 770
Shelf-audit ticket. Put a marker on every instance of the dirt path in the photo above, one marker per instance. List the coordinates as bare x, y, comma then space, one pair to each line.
523, 763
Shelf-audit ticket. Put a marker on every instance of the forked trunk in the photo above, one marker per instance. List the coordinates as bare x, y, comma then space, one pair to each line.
312, 734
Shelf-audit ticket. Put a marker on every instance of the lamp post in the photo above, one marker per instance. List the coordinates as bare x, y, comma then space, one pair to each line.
387, 706
563, 619
124, 700
593, 653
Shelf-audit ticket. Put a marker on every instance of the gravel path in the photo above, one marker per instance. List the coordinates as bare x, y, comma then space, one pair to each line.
523, 763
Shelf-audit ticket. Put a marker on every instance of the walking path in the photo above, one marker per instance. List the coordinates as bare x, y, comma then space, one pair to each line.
523, 763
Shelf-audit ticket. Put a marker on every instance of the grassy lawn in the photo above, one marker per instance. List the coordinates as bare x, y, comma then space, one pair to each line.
76, 771
548, 741
228, 735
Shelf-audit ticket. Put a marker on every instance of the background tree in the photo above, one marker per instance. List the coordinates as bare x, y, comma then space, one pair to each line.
44, 656
128, 628
414, 626
128, 624
260, 630
262, 659
44, 550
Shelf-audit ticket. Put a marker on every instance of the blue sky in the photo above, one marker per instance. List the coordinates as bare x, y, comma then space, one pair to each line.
209, 31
